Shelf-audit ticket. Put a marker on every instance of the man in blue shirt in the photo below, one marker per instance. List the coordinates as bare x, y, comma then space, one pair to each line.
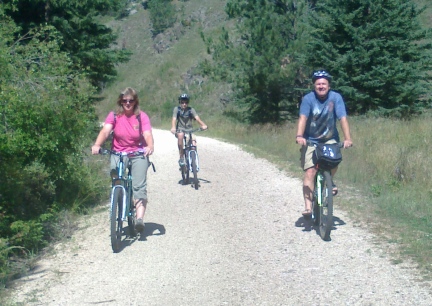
319, 111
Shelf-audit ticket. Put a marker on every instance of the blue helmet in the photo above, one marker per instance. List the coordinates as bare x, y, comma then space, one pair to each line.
321, 74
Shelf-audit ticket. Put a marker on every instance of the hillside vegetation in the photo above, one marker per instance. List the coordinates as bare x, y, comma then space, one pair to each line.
245, 76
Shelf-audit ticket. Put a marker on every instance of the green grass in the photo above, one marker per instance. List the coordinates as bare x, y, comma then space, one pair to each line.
384, 179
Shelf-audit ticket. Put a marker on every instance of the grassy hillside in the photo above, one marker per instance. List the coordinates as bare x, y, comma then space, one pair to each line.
383, 179
161, 77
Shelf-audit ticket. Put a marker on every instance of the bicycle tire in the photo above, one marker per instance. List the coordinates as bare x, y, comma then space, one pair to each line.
326, 209
315, 210
116, 221
193, 157
185, 174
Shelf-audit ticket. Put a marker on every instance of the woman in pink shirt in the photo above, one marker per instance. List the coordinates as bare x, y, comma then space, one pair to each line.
132, 132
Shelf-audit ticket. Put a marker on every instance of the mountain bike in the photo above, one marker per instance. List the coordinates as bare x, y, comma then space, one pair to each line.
322, 203
191, 159
122, 206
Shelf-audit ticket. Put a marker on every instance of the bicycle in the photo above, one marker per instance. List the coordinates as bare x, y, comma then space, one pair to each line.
322, 203
122, 206
191, 159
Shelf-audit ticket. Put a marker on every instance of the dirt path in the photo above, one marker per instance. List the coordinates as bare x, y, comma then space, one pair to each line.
238, 240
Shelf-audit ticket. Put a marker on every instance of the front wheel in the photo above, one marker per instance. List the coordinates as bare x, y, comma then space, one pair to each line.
193, 157
326, 207
116, 219
185, 174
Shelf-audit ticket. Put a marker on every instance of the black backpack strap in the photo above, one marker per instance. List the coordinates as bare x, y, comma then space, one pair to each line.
178, 112
140, 127
178, 116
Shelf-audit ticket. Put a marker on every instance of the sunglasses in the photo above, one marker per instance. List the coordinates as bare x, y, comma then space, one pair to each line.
124, 101
184, 101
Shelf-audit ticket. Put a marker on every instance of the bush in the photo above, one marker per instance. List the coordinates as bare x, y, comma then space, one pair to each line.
162, 15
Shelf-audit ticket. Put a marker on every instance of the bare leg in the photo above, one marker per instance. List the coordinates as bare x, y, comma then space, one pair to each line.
180, 137
334, 188
140, 206
308, 188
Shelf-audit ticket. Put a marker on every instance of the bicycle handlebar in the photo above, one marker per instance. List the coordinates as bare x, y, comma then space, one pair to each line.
314, 144
191, 131
107, 151
132, 154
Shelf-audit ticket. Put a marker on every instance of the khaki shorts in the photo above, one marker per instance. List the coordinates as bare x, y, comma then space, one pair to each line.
139, 174
306, 153
187, 136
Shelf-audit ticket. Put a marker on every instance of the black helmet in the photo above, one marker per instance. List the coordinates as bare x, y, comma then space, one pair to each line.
183, 96
321, 74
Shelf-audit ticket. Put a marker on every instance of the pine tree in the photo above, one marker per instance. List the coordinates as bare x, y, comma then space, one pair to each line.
88, 42
259, 58
377, 52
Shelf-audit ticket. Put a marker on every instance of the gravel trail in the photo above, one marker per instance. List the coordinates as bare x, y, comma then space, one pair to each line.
238, 240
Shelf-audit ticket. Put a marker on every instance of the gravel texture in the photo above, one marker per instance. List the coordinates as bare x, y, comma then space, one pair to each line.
238, 240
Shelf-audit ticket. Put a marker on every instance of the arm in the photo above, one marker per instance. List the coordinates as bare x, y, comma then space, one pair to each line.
346, 131
148, 137
201, 123
301, 126
173, 125
103, 135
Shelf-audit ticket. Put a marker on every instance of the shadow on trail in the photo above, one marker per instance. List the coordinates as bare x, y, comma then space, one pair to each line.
308, 224
150, 229
180, 182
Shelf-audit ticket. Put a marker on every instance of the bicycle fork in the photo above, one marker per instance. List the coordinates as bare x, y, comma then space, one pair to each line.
196, 160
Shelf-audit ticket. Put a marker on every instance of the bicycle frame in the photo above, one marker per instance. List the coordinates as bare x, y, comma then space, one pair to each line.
188, 147
191, 158
318, 181
126, 184
322, 203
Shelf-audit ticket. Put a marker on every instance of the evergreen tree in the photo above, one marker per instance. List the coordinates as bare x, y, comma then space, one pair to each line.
260, 58
86, 40
377, 52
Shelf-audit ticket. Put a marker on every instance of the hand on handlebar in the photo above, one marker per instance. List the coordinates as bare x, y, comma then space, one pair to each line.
347, 143
95, 149
301, 141
148, 151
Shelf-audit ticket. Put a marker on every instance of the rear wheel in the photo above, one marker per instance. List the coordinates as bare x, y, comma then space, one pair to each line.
193, 157
116, 221
131, 216
326, 209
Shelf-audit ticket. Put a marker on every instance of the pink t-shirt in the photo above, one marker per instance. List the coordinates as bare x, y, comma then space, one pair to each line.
126, 137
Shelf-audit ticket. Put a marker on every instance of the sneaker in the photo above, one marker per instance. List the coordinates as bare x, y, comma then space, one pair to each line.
181, 162
139, 225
